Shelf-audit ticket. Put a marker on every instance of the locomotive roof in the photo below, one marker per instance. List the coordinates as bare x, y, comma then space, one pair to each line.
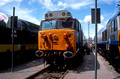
4, 17
102, 29
118, 13
58, 14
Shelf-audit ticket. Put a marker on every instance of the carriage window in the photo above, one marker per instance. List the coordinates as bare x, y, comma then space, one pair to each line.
102, 36
115, 28
112, 26
105, 35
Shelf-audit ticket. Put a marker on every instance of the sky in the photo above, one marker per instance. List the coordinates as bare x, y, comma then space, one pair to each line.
34, 10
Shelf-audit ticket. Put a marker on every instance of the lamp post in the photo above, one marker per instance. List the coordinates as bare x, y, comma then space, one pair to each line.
12, 39
95, 39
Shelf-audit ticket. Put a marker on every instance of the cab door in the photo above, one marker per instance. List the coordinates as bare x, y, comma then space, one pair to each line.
77, 32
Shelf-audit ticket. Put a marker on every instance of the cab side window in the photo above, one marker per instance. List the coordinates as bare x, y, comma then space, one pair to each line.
23, 25
77, 26
19, 25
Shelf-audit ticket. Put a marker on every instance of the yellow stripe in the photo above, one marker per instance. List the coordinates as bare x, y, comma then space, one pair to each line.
17, 47
31, 46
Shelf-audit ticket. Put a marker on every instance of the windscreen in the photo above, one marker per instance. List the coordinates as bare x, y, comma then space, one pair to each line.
48, 24
66, 24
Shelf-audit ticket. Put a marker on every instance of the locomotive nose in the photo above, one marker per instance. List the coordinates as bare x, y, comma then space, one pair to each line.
68, 54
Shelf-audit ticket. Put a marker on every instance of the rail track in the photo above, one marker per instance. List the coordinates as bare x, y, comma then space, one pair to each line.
50, 73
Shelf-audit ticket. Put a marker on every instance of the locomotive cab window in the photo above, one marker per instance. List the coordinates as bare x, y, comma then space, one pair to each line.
67, 24
48, 25
77, 26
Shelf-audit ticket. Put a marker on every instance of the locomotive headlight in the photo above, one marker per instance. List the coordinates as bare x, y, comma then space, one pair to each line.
50, 14
63, 13
68, 14
46, 15
68, 54
44, 36
55, 37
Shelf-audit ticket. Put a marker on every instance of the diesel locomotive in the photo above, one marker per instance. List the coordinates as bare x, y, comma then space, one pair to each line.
109, 40
60, 37
25, 39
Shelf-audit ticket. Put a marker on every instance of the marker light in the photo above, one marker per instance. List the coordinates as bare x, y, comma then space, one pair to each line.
50, 35
59, 53
65, 35
44, 36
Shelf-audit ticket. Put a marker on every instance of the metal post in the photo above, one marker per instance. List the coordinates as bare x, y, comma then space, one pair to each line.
95, 39
12, 39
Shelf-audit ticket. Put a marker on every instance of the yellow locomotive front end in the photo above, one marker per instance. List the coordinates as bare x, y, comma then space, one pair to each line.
58, 37
59, 41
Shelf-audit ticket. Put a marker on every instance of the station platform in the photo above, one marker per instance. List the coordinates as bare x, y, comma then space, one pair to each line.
86, 69
23, 71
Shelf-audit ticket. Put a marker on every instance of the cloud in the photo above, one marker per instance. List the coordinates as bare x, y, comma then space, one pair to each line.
107, 1
4, 2
62, 4
80, 4
81, 21
88, 18
22, 13
100, 26
48, 4
26, 15
31, 2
